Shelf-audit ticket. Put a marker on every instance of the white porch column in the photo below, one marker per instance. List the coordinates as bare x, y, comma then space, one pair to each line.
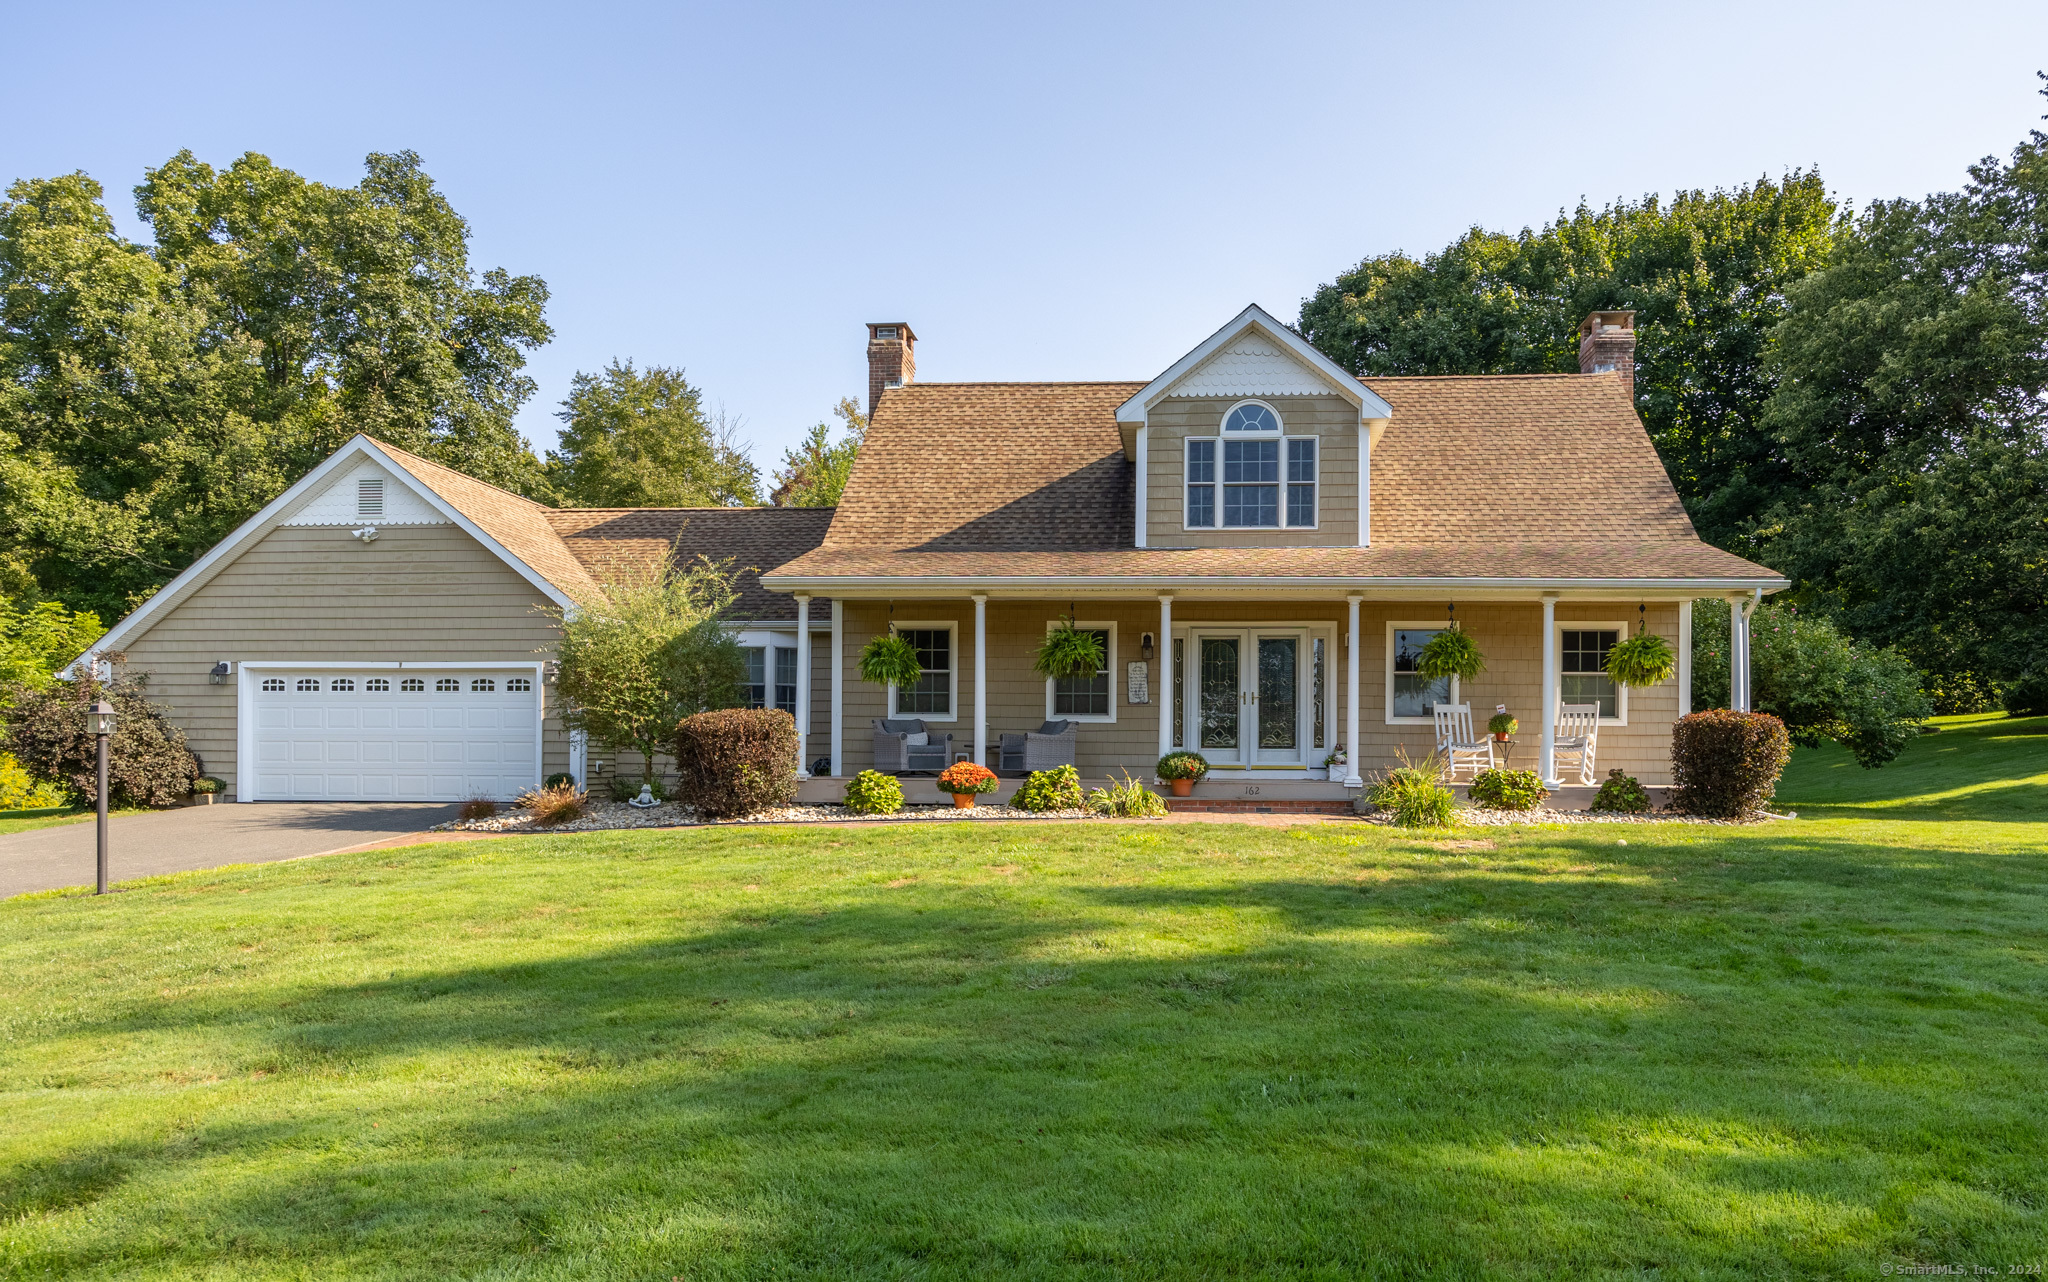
1352, 645
1547, 761
1162, 680
803, 687
1684, 658
981, 678
1739, 610
838, 685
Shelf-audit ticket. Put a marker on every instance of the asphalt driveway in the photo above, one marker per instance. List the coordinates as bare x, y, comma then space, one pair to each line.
206, 837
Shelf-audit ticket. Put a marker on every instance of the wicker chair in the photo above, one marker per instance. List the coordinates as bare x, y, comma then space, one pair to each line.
1046, 748
896, 755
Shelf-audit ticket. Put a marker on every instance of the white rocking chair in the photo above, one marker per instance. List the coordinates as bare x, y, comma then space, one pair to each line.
1462, 750
1578, 734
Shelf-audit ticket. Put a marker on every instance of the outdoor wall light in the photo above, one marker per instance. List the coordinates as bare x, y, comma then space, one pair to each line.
1145, 647
220, 673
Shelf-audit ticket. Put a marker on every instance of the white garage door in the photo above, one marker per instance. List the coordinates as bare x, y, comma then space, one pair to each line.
394, 735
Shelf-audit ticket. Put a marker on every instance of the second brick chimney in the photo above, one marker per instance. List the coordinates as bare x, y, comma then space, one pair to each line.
1607, 345
892, 358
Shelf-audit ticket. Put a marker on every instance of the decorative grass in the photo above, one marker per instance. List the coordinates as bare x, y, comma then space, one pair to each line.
1053, 1051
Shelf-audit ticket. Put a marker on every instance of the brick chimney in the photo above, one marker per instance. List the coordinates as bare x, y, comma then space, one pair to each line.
892, 358
1607, 345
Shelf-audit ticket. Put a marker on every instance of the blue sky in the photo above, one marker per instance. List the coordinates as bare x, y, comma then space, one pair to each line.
1044, 191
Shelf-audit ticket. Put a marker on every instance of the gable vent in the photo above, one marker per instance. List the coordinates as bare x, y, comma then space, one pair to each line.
370, 497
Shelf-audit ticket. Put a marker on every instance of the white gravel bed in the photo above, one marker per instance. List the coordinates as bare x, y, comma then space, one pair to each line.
607, 815
1481, 817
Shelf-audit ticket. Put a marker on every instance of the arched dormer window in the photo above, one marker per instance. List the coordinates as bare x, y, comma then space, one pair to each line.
1251, 475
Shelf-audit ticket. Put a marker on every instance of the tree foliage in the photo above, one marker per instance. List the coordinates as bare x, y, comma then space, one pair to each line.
1817, 681
1706, 275
648, 655
152, 397
814, 474
642, 438
36, 640
148, 763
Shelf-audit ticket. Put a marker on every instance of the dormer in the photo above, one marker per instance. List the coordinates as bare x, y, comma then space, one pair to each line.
1253, 439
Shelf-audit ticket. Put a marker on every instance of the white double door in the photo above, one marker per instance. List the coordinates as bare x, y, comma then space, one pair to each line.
1253, 704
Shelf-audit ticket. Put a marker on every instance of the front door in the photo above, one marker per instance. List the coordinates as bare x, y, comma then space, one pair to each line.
1250, 705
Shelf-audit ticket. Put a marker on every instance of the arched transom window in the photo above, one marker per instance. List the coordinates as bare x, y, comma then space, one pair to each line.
1251, 475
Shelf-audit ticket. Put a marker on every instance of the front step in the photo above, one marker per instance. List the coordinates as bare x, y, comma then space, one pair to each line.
1276, 806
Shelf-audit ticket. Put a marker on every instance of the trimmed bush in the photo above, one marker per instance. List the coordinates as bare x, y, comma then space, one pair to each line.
148, 763
967, 778
1127, 800
479, 808
1412, 795
1508, 789
556, 805
1725, 765
2027, 697
873, 793
557, 779
1622, 794
1182, 764
1055, 789
736, 761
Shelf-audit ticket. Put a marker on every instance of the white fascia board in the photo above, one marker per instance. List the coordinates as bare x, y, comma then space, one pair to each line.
274, 511
1239, 583
1254, 316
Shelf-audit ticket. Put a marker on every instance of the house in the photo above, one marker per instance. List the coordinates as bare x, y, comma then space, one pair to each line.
1262, 541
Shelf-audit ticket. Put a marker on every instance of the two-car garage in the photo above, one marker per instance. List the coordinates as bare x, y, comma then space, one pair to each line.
389, 731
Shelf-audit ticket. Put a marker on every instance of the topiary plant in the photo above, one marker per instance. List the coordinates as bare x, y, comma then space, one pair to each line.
890, 660
1622, 794
1508, 789
873, 793
1055, 789
1068, 652
1182, 764
1450, 653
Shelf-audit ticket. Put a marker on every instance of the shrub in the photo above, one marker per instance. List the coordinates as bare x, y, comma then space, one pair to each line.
1182, 765
736, 761
1127, 800
1508, 789
557, 779
208, 784
873, 793
1952, 694
147, 761
1818, 682
1725, 765
1622, 794
556, 805
621, 788
1414, 795
1450, 653
480, 808
19, 791
2027, 697
1055, 789
966, 778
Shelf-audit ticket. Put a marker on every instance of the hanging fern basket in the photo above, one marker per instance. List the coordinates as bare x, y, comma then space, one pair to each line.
1068, 653
890, 660
1450, 653
1642, 660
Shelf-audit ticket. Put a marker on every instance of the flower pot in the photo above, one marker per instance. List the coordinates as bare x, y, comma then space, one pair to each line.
1182, 787
963, 801
1500, 738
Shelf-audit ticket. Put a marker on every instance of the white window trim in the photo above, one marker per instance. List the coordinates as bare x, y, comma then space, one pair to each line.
1622, 631
952, 677
1086, 625
1187, 445
1412, 625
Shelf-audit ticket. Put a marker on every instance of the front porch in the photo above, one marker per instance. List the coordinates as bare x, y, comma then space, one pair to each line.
1264, 686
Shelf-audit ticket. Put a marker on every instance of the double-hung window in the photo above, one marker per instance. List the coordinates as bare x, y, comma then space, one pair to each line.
932, 695
1088, 697
1584, 678
1410, 697
785, 679
756, 691
1245, 461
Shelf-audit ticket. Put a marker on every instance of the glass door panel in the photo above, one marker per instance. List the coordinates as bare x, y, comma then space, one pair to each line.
1279, 700
1221, 697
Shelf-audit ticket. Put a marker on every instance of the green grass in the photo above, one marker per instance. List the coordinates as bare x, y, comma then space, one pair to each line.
1990, 768
48, 817
936, 1050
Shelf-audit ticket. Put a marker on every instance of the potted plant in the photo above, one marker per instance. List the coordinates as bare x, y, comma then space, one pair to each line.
966, 779
1334, 764
1180, 770
206, 790
1502, 723
1450, 653
889, 660
1643, 659
1067, 652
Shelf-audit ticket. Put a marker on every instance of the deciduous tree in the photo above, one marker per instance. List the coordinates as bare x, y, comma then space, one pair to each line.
642, 438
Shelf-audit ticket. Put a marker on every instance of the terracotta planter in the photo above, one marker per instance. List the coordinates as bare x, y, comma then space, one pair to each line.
963, 801
1500, 738
1182, 787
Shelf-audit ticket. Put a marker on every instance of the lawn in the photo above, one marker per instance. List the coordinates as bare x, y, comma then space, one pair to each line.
48, 817
1810, 1048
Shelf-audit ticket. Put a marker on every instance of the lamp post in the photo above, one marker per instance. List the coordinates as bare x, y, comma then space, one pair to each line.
100, 718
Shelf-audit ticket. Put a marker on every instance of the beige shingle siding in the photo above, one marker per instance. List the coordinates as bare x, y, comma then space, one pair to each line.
313, 593
1330, 419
